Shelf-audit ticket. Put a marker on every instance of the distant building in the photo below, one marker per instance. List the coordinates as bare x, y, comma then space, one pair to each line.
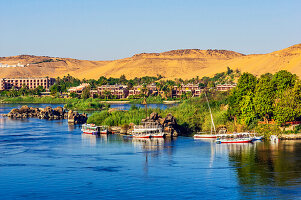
17, 65
79, 89
225, 87
120, 91
135, 91
31, 83
194, 89
151, 88
93, 92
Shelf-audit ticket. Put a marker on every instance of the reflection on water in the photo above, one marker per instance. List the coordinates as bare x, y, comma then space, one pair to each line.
41, 159
267, 165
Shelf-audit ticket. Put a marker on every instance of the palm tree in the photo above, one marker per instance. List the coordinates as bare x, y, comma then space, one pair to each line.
159, 86
107, 93
144, 90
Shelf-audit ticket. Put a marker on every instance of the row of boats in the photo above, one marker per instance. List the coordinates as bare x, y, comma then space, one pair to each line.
154, 130
145, 130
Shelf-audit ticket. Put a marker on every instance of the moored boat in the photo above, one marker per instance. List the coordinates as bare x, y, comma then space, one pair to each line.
274, 138
211, 135
234, 138
255, 138
204, 136
104, 130
148, 130
90, 129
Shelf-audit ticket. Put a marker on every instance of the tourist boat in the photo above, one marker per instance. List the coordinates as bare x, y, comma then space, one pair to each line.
148, 130
234, 138
207, 136
90, 129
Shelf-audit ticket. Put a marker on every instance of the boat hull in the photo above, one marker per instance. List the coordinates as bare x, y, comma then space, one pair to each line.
158, 136
204, 137
234, 141
90, 133
145, 136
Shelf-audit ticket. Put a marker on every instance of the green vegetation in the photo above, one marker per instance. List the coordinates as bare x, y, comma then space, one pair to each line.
271, 97
85, 104
70, 103
23, 91
45, 61
63, 84
118, 118
149, 99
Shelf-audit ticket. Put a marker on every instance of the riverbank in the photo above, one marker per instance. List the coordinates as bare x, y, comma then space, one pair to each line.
116, 102
296, 136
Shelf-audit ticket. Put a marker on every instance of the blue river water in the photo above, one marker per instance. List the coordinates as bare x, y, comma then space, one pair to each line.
41, 159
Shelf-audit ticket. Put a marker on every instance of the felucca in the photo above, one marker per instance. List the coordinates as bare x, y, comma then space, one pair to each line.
207, 136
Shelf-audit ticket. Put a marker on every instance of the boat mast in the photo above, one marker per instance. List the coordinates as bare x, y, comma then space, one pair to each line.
212, 122
145, 103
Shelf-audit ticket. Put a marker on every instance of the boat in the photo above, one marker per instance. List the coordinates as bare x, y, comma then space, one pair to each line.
204, 136
274, 138
104, 130
148, 130
90, 129
207, 136
234, 138
255, 138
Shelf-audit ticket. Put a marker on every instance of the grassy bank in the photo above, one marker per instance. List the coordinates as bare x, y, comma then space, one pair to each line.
85, 104
150, 99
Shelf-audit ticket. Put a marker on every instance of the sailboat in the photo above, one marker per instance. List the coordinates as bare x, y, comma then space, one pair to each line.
207, 136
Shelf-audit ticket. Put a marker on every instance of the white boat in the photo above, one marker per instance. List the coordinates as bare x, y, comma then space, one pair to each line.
274, 138
234, 138
207, 136
90, 129
148, 130
204, 136
104, 130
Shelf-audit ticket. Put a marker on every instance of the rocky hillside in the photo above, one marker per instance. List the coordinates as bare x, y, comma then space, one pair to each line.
185, 63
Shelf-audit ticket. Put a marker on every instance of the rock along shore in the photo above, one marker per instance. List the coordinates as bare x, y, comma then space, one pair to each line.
47, 113
169, 123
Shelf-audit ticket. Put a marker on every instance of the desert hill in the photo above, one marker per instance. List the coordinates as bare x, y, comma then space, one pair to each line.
187, 63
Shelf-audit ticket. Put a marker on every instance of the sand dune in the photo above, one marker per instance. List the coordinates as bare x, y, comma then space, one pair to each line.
187, 63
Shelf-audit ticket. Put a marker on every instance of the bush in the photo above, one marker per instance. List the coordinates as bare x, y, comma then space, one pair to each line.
267, 130
88, 104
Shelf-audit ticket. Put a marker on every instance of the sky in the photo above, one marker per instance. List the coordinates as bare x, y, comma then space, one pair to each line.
114, 29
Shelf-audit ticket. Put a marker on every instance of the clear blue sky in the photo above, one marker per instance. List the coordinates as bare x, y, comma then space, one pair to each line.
112, 29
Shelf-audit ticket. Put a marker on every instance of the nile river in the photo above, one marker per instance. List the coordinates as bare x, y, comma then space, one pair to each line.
42, 159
